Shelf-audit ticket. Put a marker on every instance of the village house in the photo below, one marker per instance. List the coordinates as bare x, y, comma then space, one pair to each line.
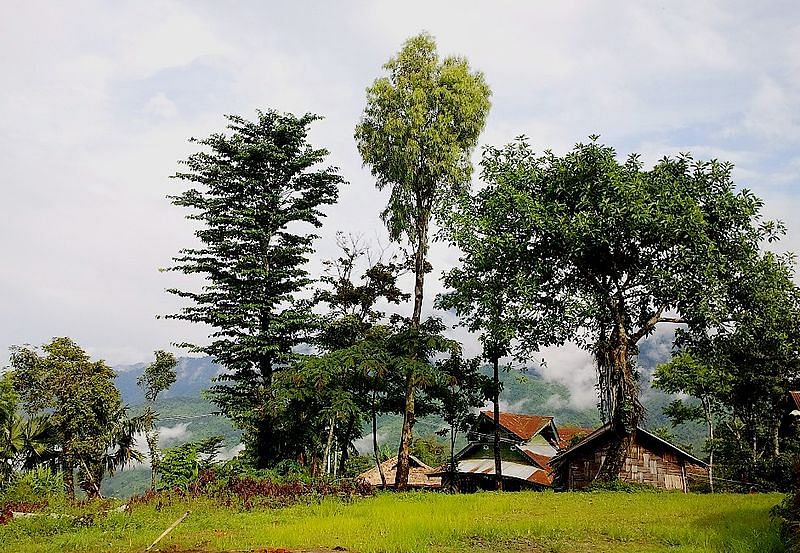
527, 443
651, 460
418, 474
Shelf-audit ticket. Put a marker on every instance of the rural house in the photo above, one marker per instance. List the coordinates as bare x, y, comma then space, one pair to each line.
417, 474
527, 443
651, 461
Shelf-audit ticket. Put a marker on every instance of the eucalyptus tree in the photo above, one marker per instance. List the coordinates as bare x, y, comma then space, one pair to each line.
417, 132
157, 377
256, 193
612, 250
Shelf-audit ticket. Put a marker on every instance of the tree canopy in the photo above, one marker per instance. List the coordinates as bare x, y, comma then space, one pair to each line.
419, 127
612, 249
257, 191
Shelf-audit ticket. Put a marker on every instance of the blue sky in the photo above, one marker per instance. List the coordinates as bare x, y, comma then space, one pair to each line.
98, 100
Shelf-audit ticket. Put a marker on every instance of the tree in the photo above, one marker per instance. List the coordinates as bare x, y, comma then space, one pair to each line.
740, 371
463, 389
157, 377
345, 382
417, 132
612, 250
482, 288
85, 408
256, 189
686, 374
24, 443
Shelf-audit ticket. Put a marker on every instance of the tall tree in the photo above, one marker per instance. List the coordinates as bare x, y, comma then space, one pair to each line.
85, 408
612, 250
157, 377
256, 190
417, 132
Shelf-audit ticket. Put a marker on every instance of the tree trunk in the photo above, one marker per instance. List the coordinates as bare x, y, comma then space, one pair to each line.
711, 455
328, 445
375, 451
619, 399
345, 449
68, 472
401, 478
498, 465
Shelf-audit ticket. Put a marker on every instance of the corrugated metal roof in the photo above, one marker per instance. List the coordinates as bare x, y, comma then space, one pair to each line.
523, 426
542, 460
796, 398
509, 469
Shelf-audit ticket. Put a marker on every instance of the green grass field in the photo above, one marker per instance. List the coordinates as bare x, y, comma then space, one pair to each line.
528, 521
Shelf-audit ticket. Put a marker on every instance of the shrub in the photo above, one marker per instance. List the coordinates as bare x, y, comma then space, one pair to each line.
618, 485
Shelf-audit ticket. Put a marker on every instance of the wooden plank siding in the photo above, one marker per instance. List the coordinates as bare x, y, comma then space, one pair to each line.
647, 463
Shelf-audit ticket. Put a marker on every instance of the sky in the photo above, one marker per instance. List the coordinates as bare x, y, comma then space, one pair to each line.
98, 100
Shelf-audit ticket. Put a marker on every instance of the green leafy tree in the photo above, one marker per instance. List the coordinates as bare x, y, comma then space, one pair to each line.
157, 377
458, 394
417, 132
24, 443
740, 372
709, 383
482, 289
256, 189
84, 407
612, 250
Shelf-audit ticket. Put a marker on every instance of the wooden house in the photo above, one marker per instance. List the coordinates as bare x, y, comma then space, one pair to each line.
651, 461
417, 474
527, 442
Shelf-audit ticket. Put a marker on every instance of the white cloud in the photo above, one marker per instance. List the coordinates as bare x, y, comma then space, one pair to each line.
161, 106
176, 434
99, 99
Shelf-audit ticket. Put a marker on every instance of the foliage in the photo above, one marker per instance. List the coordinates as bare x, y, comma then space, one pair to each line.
38, 484
255, 190
417, 132
157, 377
740, 371
617, 485
181, 466
24, 443
611, 250
430, 450
91, 426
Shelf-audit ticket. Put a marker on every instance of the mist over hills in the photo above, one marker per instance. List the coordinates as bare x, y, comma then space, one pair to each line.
525, 391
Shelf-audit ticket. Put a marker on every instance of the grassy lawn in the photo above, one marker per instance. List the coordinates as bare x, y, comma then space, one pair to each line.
528, 521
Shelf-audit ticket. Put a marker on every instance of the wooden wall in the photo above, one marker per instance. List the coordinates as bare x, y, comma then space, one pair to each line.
648, 463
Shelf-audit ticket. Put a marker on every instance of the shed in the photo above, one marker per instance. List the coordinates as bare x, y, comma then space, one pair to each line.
651, 460
417, 474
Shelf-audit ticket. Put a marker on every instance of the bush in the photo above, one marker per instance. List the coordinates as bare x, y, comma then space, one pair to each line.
33, 486
618, 485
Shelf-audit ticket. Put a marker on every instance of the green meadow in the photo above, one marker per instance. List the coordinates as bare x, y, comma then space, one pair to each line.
410, 522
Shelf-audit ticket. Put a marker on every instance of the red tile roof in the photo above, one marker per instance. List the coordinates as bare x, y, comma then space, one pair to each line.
523, 426
566, 434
